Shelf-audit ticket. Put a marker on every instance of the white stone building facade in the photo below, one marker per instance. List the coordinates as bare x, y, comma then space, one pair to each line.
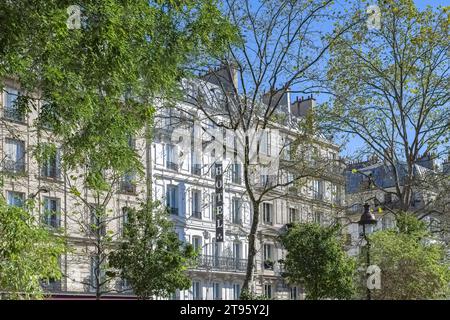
184, 182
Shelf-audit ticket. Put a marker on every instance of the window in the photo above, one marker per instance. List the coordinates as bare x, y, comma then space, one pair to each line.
16, 199
196, 290
318, 217
172, 199
268, 291
51, 216
125, 219
236, 211
97, 223
51, 284
128, 183
335, 194
213, 205
196, 167
197, 243
97, 273
11, 109
264, 145
267, 181
293, 216
236, 251
171, 162
267, 213
196, 204
236, 291
317, 188
216, 291
287, 149
51, 165
294, 293
268, 256
14, 156
236, 173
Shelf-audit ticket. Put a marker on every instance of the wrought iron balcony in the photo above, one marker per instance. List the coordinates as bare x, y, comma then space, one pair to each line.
197, 214
51, 285
236, 179
50, 171
14, 166
172, 166
128, 187
208, 262
196, 169
13, 114
53, 221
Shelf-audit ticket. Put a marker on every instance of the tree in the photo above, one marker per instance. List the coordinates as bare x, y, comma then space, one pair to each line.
317, 260
29, 253
413, 265
389, 88
151, 257
93, 73
278, 51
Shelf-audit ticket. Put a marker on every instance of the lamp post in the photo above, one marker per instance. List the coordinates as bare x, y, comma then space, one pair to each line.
367, 219
41, 189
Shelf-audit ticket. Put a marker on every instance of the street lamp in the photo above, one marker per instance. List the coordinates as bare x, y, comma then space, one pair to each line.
367, 219
41, 189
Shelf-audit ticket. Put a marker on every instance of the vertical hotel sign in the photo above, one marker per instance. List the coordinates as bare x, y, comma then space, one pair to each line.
219, 202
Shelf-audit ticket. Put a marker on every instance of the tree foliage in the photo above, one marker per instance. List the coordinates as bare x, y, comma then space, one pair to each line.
316, 259
151, 257
29, 253
413, 266
98, 83
389, 88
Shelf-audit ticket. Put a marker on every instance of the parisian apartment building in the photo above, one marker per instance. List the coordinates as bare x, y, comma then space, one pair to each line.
360, 189
181, 179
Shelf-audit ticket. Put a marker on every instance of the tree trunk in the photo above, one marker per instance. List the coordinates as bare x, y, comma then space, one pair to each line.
251, 249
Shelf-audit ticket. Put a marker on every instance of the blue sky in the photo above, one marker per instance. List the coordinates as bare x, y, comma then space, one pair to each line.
356, 143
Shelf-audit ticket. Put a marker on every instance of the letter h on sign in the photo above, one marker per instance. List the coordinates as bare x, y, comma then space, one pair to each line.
219, 202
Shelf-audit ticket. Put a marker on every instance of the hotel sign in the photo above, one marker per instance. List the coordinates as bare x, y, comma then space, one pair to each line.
219, 201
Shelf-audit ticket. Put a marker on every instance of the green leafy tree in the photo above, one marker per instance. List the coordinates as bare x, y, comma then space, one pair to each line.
93, 75
389, 88
151, 257
29, 253
316, 259
413, 266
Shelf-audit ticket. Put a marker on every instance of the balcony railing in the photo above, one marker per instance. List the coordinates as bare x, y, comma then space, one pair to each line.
209, 262
318, 195
51, 285
172, 166
173, 211
50, 171
128, 187
14, 166
196, 169
197, 214
236, 221
13, 114
53, 221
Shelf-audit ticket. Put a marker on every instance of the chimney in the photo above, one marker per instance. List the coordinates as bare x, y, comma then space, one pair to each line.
426, 161
280, 97
225, 76
301, 107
